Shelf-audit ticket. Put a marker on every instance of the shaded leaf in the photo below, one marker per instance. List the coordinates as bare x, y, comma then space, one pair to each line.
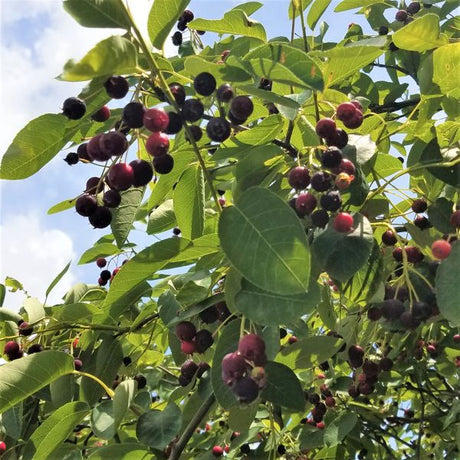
338, 429
161, 218
98, 13
124, 451
98, 250
57, 279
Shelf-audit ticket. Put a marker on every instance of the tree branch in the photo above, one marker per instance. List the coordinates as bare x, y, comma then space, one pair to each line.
393, 106
394, 67
191, 427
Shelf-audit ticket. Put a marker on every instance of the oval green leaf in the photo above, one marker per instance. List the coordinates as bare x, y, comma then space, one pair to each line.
31, 374
265, 241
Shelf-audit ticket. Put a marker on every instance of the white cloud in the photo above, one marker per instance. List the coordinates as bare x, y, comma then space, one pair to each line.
34, 255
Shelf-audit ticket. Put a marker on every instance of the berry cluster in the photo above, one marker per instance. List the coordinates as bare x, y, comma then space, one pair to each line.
319, 410
243, 370
186, 17
189, 369
405, 16
192, 340
336, 173
106, 275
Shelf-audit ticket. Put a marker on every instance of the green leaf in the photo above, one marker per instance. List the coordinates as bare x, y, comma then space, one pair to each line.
261, 230
55, 430
114, 55
448, 287
234, 22
162, 18
122, 399
34, 309
189, 202
268, 308
98, 13
385, 165
446, 69
241, 417
102, 421
285, 64
343, 254
351, 4
161, 218
2, 294
249, 7
283, 387
12, 421
30, 374
310, 352
364, 283
340, 62
269, 96
62, 390
98, 250
420, 35
439, 215
431, 153
62, 206
158, 428
124, 451
316, 11
13, 284
57, 279
109, 356
338, 429
124, 215
34, 146
227, 343
139, 268
71, 313
8, 315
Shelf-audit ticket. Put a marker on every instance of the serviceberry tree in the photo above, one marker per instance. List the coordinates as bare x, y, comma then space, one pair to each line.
311, 203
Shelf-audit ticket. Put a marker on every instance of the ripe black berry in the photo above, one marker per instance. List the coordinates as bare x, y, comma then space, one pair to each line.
413, 7
319, 218
414, 254
187, 16
234, 120
383, 30
196, 133
218, 129
321, 181
127, 360
210, 315
233, 368
175, 123
225, 93
181, 25
401, 15
25, 328
176, 231
420, 205
85, 205
392, 309
117, 87
141, 381
331, 201
305, 204
326, 128
188, 369
83, 153
105, 275
111, 198
422, 222
389, 238
35, 348
299, 177
178, 93
94, 151
177, 38
331, 158
374, 313
72, 158
133, 115
113, 143
143, 172
163, 164
203, 340
246, 390
338, 139
252, 348
101, 217
241, 107
74, 108
204, 84
192, 110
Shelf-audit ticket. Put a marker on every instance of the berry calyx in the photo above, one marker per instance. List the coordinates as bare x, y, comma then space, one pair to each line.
441, 249
74, 108
103, 114
117, 87
343, 222
343, 180
157, 144
204, 84
326, 128
156, 120
72, 158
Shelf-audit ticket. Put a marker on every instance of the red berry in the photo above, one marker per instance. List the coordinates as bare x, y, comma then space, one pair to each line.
343, 222
185, 330
320, 425
121, 176
346, 111
357, 104
457, 338
187, 347
414, 254
103, 114
389, 238
343, 180
441, 249
233, 368
11, 348
299, 177
329, 401
326, 128
252, 348
101, 262
292, 339
356, 121
347, 166
157, 144
227, 449
2, 447
305, 204
156, 120
217, 451
78, 364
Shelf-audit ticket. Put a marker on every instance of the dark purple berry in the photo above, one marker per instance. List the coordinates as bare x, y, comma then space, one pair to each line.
103, 114
374, 313
117, 87
420, 205
196, 132
175, 123
163, 164
225, 93
192, 110
72, 158
35, 348
241, 107
401, 15
203, 340
326, 128
101, 217
233, 368
105, 275
94, 151
383, 30
234, 120
392, 309
113, 143
133, 115
321, 181
246, 390
210, 315
83, 153
319, 218
141, 381
178, 93
218, 129
143, 172
389, 238
252, 348
422, 222
204, 84
74, 108
187, 16
111, 198
338, 139
185, 330
331, 201
177, 38
120, 176
299, 177
305, 204
331, 158
181, 25
188, 369
413, 7
86, 205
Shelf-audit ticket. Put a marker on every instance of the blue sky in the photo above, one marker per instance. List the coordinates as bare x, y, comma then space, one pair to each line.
37, 38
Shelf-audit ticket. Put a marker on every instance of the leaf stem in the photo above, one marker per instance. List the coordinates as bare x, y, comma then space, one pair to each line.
191, 427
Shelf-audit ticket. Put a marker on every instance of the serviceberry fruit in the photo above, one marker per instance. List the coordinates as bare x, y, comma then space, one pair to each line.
321, 181
187, 16
414, 254
101, 217
178, 93
252, 348
392, 309
203, 340
187, 347
346, 111
111, 198
189, 368
101, 262
94, 151
121, 176
383, 30
218, 129
11, 348
204, 84
78, 364
241, 107
299, 177
234, 368
356, 121
157, 144
441, 249
401, 15
72, 158
347, 166
177, 38
163, 164
413, 7
133, 115
374, 313
420, 205
331, 201
455, 219
113, 143
86, 205
174, 124
35, 348
74, 108
103, 114
117, 87
389, 238
83, 153
217, 451
326, 128
141, 381
246, 390
225, 93
192, 110
319, 218
185, 330
210, 315
422, 222
143, 172
25, 328
156, 120
338, 139
305, 204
